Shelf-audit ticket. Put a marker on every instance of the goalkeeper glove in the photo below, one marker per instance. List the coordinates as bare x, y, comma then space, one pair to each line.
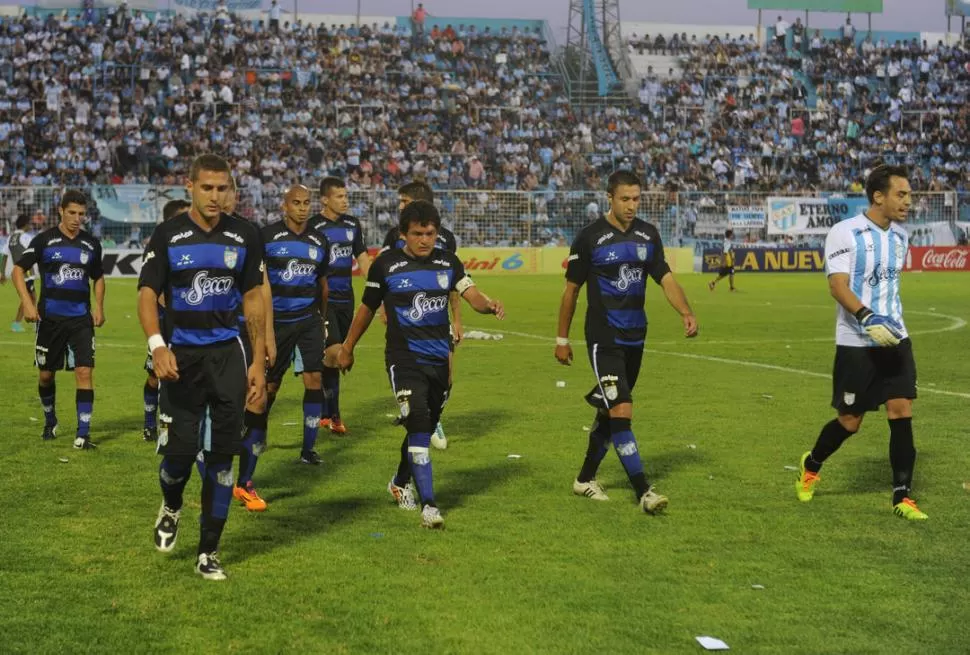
881, 329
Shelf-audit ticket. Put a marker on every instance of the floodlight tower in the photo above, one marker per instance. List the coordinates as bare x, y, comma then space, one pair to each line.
589, 20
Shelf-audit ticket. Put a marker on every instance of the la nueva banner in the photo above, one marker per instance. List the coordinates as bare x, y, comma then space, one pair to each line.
810, 215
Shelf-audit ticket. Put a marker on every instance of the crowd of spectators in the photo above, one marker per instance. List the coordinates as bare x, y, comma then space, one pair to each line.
89, 98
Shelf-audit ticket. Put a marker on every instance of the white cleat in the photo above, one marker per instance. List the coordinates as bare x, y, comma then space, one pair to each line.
403, 496
652, 502
591, 489
167, 528
431, 518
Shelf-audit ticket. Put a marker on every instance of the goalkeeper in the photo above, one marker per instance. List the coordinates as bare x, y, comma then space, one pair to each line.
864, 257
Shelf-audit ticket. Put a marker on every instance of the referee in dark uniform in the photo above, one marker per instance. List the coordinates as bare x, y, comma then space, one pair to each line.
207, 264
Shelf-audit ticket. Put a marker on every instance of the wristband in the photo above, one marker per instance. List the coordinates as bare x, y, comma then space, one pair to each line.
863, 314
562, 341
155, 342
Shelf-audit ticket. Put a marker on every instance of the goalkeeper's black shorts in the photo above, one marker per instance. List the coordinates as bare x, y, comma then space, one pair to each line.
865, 378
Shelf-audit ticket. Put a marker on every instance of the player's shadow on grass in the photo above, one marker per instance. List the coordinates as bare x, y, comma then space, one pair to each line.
461, 485
467, 426
274, 529
125, 427
660, 465
866, 475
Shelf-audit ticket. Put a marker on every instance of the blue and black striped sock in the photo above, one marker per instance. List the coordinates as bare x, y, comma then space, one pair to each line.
48, 403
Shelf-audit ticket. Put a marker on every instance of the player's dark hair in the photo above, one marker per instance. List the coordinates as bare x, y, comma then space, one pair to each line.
22, 221
880, 179
329, 183
416, 190
208, 162
622, 178
173, 208
419, 212
728, 234
74, 196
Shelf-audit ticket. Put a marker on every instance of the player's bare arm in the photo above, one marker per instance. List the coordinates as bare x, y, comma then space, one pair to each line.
364, 261
362, 321
678, 300
567, 309
270, 331
482, 303
255, 316
841, 291
163, 359
98, 311
458, 331
20, 284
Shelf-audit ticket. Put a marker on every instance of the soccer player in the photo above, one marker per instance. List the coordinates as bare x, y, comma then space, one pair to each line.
727, 262
346, 241
206, 263
874, 365
69, 259
18, 242
612, 256
296, 265
414, 284
406, 194
150, 391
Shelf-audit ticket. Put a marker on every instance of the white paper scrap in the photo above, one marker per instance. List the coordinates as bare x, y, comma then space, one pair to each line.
32, 419
791, 468
757, 586
291, 423
692, 446
514, 456
767, 396
710, 643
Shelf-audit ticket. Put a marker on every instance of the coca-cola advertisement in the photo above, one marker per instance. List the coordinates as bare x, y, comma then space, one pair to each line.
938, 258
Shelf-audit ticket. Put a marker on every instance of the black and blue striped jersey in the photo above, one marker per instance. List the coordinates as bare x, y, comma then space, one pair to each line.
295, 264
67, 268
346, 242
446, 240
415, 296
613, 265
203, 276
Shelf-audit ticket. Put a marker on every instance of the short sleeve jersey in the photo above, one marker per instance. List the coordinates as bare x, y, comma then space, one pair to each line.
728, 250
67, 268
203, 275
295, 264
613, 265
446, 240
415, 296
873, 258
346, 242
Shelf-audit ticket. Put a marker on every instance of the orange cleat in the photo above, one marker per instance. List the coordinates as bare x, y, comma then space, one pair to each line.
249, 497
325, 423
337, 426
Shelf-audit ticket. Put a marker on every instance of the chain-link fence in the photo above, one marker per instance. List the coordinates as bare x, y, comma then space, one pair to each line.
491, 218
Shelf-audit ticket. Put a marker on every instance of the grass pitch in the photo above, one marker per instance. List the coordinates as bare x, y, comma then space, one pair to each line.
523, 565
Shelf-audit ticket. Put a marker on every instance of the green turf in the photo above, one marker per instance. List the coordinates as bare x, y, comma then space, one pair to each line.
523, 565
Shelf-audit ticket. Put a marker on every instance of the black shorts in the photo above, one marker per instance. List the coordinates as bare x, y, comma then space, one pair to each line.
339, 318
299, 343
865, 378
726, 270
65, 344
616, 369
30, 286
421, 392
209, 376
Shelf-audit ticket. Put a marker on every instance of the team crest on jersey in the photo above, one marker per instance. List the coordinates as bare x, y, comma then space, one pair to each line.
230, 257
642, 253
313, 252
350, 235
443, 280
84, 256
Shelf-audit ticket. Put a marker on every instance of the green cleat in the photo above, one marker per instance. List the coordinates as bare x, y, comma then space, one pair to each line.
909, 511
805, 485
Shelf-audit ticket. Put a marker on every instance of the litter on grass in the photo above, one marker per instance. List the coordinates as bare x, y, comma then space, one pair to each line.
791, 468
62, 460
757, 586
514, 456
712, 643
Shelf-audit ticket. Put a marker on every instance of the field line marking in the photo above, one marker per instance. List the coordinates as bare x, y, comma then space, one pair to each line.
770, 367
